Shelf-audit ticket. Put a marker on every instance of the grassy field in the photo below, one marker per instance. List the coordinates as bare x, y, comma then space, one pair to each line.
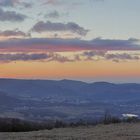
100, 132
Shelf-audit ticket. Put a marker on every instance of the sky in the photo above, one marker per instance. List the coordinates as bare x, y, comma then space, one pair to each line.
92, 40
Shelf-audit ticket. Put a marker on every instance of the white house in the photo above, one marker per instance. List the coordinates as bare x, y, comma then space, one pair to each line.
126, 116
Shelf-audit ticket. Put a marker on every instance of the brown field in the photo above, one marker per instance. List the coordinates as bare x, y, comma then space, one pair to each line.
100, 132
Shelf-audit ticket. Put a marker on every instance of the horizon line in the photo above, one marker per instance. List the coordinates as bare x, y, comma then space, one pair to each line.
68, 79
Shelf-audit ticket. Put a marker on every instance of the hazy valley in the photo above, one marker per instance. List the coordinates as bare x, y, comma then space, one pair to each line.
66, 100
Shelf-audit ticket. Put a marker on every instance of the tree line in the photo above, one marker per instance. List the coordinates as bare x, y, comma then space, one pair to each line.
17, 125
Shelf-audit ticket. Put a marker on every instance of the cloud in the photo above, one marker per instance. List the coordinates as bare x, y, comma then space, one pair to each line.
115, 44
54, 2
85, 56
9, 3
65, 3
68, 4
13, 33
51, 1
11, 16
89, 55
121, 57
62, 45
22, 57
9, 57
13, 3
94, 53
48, 26
60, 58
26, 4
96, 0
107, 55
53, 14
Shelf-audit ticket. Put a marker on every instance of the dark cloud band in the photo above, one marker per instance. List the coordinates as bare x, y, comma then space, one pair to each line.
61, 45
85, 56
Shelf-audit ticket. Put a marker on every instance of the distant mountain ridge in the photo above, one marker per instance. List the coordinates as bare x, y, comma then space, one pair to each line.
70, 89
66, 99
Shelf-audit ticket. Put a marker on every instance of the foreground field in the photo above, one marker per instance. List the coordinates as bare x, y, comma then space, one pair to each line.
100, 132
